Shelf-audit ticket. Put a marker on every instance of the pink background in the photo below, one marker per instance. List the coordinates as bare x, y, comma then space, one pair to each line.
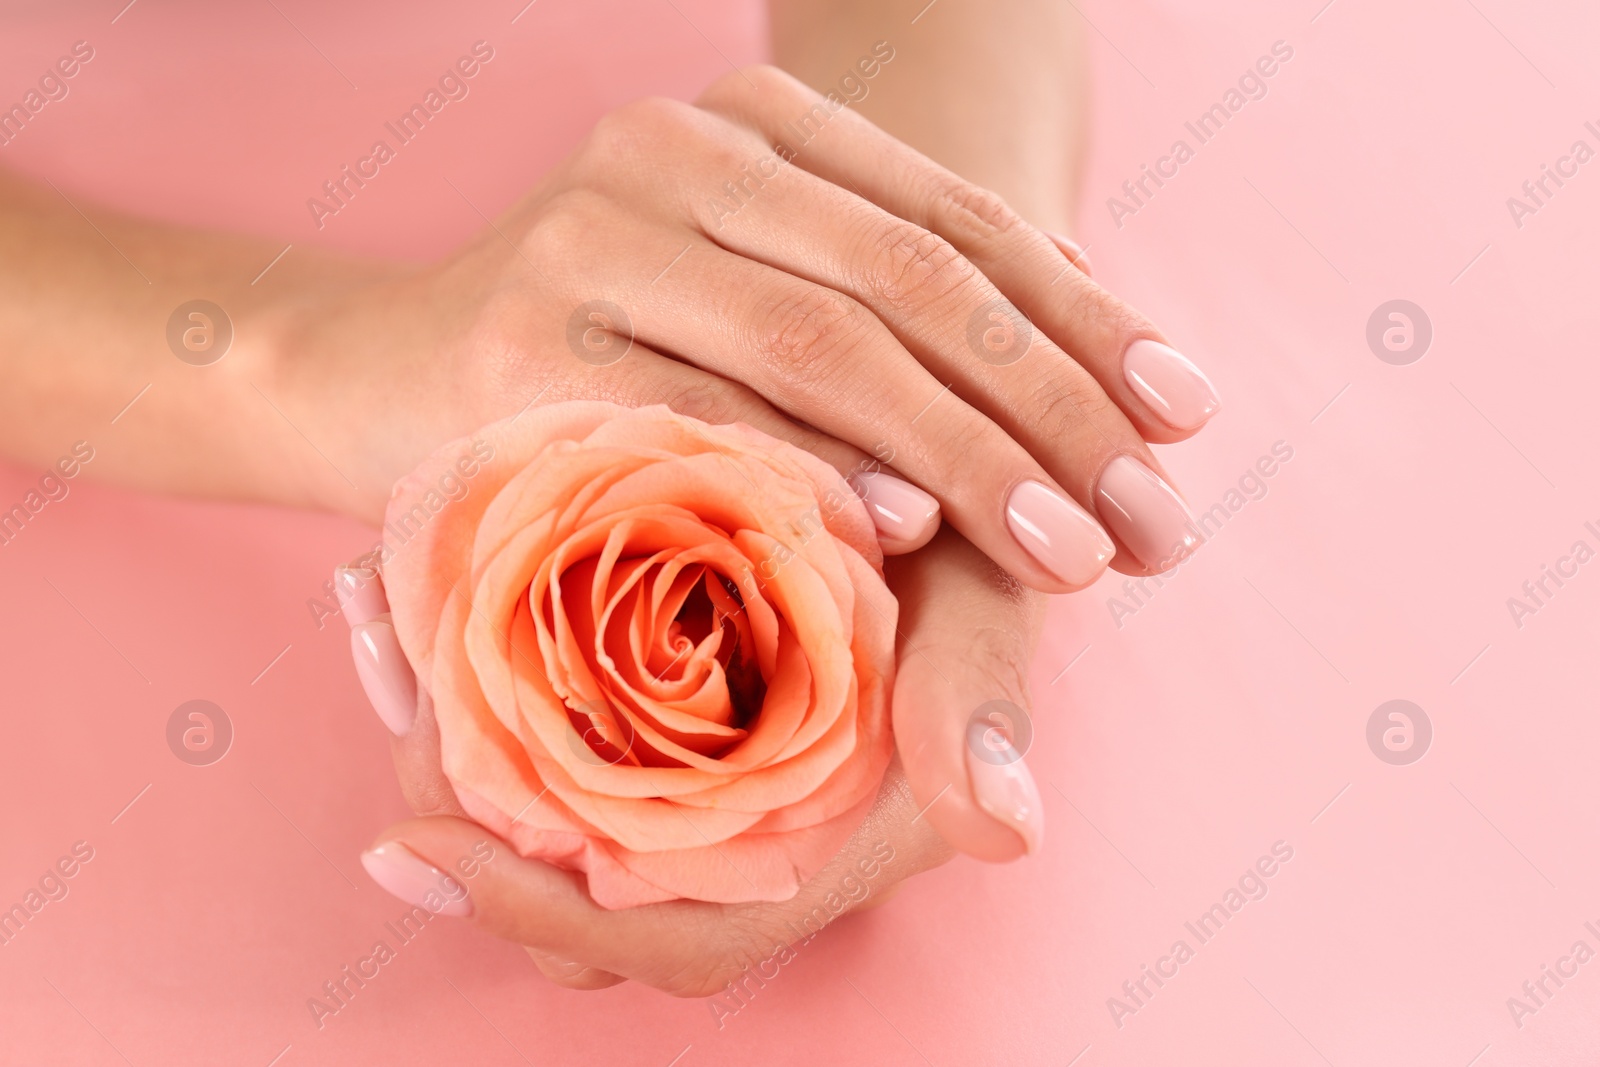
1227, 714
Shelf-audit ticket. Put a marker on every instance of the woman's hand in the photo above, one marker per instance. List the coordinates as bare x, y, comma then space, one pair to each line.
857, 300
967, 635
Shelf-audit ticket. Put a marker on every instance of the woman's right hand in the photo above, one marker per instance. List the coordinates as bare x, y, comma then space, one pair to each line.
858, 300
966, 636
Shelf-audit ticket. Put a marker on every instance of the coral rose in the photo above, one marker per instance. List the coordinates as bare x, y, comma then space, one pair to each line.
660, 652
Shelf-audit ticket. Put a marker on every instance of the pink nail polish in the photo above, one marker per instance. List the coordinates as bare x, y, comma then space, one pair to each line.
1169, 384
899, 509
1073, 251
390, 684
360, 593
1006, 790
1058, 533
1143, 510
415, 880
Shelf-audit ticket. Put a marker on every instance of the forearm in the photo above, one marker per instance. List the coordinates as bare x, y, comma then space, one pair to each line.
995, 90
85, 352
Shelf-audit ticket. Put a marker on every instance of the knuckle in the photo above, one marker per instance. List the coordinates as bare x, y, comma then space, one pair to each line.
704, 975
1068, 401
708, 400
429, 796
748, 83
763, 76
960, 444
1001, 659
915, 268
636, 129
975, 212
1098, 311
807, 338
563, 224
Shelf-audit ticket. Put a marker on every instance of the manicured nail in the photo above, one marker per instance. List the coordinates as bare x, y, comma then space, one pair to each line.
1169, 384
388, 679
1143, 510
360, 593
415, 880
1073, 251
899, 509
1004, 787
1063, 537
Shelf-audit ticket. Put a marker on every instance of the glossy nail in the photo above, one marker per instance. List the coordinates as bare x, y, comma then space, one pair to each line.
1059, 534
1004, 787
387, 677
1073, 251
415, 880
899, 510
1169, 384
1143, 510
360, 593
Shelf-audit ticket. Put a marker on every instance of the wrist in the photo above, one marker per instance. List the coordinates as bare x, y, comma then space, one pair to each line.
340, 372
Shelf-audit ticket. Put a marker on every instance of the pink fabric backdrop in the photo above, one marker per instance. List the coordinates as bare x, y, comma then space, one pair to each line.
1175, 744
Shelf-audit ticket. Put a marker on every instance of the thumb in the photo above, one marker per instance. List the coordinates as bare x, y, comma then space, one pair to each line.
961, 718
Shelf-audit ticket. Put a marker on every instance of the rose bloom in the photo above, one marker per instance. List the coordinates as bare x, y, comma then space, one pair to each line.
660, 651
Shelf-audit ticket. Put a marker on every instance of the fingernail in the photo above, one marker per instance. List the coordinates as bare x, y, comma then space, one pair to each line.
1143, 510
389, 681
1058, 533
899, 509
360, 593
1169, 384
1004, 787
1073, 251
415, 880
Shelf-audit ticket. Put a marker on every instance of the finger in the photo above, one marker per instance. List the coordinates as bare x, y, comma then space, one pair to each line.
1165, 395
905, 516
618, 366
392, 689
571, 975
919, 314
960, 698
386, 676
536, 904
824, 359
1025, 395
